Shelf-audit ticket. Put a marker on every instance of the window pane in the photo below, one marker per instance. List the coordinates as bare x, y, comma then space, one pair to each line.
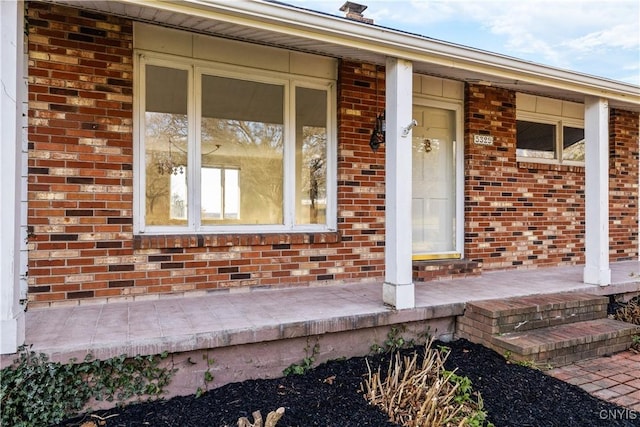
311, 156
165, 143
231, 194
536, 140
242, 136
221, 194
573, 144
211, 193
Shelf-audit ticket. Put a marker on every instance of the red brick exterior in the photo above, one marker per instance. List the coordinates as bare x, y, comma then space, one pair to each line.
80, 154
80, 190
516, 214
532, 214
80, 182
360, 170
623, 185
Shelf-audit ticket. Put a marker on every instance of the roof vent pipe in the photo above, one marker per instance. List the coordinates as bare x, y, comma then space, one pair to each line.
354, 11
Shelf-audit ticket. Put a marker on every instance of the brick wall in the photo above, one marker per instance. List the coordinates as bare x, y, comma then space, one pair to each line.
517, 214
526, 213
80, 183
360, 170
80, 153
623, 184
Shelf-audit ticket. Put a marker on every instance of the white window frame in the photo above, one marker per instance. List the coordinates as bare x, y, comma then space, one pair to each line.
196, 68
560, 123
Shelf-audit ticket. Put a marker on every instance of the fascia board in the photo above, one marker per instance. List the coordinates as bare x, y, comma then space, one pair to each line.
388, 42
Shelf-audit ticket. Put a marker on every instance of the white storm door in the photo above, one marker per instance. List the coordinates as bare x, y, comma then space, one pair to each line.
434, 183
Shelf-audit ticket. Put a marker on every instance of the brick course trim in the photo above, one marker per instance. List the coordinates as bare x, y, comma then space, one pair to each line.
226, 240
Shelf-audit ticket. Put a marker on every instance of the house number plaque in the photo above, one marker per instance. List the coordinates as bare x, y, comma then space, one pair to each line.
483, 139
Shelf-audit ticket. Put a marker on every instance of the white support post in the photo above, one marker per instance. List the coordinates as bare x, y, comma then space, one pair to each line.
12, 331
596, 133
398, 288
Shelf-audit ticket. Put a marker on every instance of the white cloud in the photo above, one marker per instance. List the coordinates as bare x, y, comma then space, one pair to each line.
624, 36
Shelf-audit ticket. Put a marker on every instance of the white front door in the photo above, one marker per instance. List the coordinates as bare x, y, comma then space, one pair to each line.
434, 213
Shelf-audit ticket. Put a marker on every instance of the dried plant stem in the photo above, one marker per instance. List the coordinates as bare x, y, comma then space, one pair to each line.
272, 419
419, 394
630, 313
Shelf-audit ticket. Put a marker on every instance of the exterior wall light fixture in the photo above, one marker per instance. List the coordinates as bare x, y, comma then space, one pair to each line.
378, 135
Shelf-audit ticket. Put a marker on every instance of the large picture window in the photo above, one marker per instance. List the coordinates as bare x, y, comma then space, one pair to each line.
225, 151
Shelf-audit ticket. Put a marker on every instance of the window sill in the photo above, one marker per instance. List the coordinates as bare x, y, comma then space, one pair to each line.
229, 240
550, 166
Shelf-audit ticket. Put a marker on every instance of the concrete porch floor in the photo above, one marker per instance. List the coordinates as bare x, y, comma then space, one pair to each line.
225, 318
249, 320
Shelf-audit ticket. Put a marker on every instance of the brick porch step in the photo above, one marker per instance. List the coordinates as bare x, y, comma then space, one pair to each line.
568, 343
532, 312
556, 328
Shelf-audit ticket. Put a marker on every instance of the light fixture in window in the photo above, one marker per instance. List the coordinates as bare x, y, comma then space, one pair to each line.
167, 165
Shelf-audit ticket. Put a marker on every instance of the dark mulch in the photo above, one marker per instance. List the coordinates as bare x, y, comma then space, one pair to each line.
329, 395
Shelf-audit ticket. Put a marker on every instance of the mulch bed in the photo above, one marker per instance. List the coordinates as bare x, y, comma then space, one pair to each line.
329, 395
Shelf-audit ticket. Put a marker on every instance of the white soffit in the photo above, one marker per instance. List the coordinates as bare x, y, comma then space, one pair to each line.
281, 25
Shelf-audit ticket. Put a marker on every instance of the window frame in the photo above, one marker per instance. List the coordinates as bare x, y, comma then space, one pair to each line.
196, 69
559, 123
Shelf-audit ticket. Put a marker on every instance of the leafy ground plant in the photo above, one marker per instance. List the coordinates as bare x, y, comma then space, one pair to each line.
306, 364
35, 391
395, 341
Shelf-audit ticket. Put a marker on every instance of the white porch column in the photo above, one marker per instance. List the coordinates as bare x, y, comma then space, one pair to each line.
398, 288
596, 134
11, 98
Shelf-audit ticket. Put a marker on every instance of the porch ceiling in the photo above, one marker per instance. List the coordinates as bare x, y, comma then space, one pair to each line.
280, 25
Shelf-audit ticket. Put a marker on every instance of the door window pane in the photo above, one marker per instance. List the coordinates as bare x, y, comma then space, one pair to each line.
166, 136
311, 156
242, 138
536, 140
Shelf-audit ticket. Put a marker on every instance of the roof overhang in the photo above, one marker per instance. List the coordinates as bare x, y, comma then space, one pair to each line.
277, 24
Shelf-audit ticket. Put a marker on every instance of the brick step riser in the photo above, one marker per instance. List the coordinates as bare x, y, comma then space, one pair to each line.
528, 320
547, 329
427, 271
595, 347
427, 276
567, 355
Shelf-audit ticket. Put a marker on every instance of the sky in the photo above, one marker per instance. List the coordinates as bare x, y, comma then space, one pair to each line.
596, 37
